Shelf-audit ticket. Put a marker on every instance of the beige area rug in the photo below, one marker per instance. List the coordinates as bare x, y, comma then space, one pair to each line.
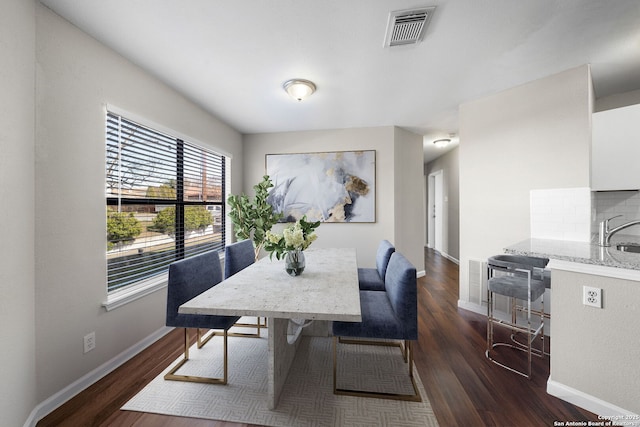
307, 398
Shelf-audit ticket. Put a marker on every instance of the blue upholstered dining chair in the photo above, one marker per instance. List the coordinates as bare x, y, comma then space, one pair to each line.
188, 278
372, 279
238, 256
388, 315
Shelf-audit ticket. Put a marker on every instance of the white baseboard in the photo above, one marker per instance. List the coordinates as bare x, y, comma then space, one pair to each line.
450, 258
482, 310
421, 273
52, 403
446, 255
605, 410
466, 305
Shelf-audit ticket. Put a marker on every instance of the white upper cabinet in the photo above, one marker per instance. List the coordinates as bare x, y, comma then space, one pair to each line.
615, 149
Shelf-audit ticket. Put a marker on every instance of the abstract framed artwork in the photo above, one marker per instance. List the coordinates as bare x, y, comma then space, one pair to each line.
336, 186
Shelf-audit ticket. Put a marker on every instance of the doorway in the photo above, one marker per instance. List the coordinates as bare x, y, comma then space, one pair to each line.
435, 211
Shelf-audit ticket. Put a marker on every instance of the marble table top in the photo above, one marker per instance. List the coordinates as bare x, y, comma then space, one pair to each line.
326, 290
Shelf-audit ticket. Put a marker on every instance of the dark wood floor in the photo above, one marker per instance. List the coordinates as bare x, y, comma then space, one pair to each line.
464, 389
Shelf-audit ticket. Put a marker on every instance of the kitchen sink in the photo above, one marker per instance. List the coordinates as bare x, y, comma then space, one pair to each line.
629, 247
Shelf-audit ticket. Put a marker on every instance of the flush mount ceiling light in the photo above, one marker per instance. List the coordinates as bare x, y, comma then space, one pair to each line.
299, 88
441, 143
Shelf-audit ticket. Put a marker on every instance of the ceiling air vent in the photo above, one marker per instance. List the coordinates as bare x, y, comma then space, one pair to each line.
407, 26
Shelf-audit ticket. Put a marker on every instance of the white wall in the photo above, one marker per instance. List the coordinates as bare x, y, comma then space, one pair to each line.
617, 100
76, 77
364, 236
534, 136
409, 197
449, 164
17, 118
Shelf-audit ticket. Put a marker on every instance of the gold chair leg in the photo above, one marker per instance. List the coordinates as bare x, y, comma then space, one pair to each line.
379, 395
172, 376
258, 325
202, 339
403, 348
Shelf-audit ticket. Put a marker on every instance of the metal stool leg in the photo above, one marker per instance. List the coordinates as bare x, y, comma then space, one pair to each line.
508, 286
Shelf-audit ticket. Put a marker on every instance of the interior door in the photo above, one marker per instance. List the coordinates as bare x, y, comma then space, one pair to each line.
438, 212
435, 211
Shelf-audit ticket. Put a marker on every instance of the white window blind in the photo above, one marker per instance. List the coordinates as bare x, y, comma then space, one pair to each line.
164, 198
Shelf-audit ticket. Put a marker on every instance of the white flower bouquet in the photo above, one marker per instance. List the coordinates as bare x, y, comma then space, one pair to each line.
296, 237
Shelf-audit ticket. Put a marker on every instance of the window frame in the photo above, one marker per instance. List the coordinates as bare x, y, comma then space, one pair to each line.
147, 285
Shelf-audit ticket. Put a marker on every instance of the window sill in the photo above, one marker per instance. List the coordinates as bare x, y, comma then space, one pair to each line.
131, 293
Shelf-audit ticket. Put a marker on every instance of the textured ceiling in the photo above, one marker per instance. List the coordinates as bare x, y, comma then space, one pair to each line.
232, 56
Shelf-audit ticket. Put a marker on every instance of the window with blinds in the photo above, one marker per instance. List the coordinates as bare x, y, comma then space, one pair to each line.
165, 201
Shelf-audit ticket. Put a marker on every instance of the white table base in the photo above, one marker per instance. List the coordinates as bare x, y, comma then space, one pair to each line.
281, 355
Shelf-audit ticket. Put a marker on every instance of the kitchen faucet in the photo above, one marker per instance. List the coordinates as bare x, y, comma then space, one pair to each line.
604, 235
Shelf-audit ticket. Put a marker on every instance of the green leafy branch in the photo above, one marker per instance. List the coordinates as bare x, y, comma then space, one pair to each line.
253, 218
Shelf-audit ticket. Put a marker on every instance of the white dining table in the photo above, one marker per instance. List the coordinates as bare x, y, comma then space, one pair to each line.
326, 290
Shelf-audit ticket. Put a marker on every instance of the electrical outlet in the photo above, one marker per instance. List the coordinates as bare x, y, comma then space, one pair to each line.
89, 342
592, 296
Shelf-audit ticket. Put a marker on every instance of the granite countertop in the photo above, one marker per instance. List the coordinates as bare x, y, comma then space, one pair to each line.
581, 252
